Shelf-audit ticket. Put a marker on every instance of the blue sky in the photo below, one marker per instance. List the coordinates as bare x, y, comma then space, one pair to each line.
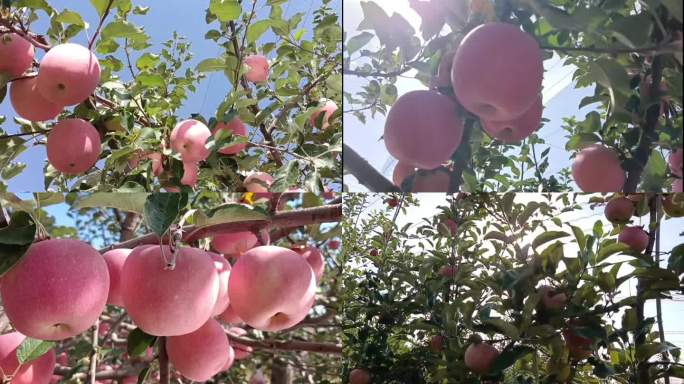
560, 100
164, 17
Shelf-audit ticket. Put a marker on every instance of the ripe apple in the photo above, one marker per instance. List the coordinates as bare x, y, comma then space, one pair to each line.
517, 129
635, 237
234, 244
188, 138
426, 139
401, 171
497, 71
674, 160
66, 279
673, 204
578, 346
73, 146
598, 169
448, 271
157, 163
190, 173
258, 182
451, 226
165, 302
258, 68
314, 257
479, 357
115, 260
333, 244
38, 371
271, 288
28, 102
19, 53
550, 300
241, 351
237, 128
359, 376
69, 73
437, 343
223, 269
374, 252
327, 108
392, 203
201, 354
619, 210
432, 181
677, 185
230, 317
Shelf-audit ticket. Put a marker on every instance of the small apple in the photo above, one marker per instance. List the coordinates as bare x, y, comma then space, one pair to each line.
635, 237
479, 357
619, 210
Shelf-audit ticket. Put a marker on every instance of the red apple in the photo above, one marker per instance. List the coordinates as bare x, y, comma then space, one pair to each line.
401, 171
69, 73
230, 317
234, 244
314, 257
28, 102
258, 68
677, 186
38, 371
392, 203
635, 237
272, 288
426, 139
479, 357
374, 252
437, 343
327, 108
359, 376
333, 244
552, 300
497, 71
448, 271
619, 210
517, 129
190, 173
73, 146
188, 138
237, 128
674, 160
201, 354
66, 279
258, 182
579, 347
223, 269
169, 302
115, 260
432, 181
451, 225
598, 169
17, 54
241, 351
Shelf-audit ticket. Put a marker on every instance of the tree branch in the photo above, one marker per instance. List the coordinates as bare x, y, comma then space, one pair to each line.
99, 25
289, 345
365, 173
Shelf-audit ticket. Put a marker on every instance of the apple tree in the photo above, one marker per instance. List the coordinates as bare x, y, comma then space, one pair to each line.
506, 288
179, 289
479, 64
109, 103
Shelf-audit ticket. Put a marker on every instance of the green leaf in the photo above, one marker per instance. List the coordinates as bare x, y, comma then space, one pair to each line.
15, 239
162, 209
229, 213
609, 250
359, 41
138, 342
120, 29
643, 352
151, 80
225, 10
31, 349
548, 236
257, 29
211, 65
129, 202
70, 17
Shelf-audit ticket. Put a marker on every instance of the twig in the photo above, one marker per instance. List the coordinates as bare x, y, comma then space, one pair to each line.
92, 370
365, 173
654, 50
163, 361
99, 26
461, 158
36, 132
289, 345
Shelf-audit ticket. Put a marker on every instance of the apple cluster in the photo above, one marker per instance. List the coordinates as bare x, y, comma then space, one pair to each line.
68, 75
496, 74
268, 288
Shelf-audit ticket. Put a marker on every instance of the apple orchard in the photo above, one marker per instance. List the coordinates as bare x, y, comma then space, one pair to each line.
512, 288
106, 101
481, 63
226, 288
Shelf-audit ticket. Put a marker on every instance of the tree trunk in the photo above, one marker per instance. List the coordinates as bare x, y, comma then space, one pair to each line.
280, 372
